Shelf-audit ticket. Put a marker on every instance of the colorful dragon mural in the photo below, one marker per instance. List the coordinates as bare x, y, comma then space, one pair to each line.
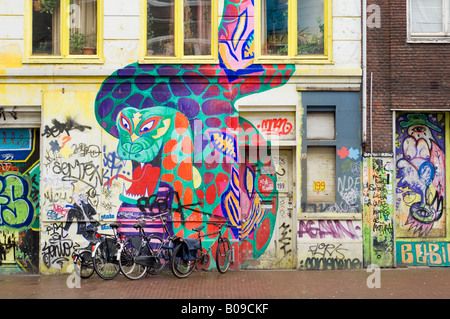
178, 126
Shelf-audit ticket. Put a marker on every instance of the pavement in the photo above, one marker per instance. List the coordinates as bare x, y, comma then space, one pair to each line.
277, 289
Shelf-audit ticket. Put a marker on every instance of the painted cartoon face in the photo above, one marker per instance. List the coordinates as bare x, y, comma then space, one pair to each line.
420, 131
141, 133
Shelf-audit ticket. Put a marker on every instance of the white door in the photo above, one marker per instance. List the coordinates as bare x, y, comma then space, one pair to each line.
280, 253
284, 234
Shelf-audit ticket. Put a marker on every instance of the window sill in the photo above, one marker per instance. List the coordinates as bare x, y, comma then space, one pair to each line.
43, 59
428, 39
326, 216
307, 59
175, 60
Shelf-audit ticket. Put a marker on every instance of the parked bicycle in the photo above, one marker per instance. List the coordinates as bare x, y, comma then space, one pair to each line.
105, 254
150, 253
140, 254
189, 254
82, 257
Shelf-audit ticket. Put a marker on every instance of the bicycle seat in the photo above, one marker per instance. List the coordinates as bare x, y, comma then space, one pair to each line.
115, 225
198, 228
139, 225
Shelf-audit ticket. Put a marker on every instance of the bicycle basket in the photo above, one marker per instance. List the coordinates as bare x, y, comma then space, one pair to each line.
136, 242
190, 248
111, 244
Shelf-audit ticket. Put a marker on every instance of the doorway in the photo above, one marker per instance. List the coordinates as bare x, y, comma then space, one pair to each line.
19, 208
280, 251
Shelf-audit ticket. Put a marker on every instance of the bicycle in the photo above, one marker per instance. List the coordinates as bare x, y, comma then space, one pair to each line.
105, 254
140, 254
150, 254
188, 254
162, 246
82, 257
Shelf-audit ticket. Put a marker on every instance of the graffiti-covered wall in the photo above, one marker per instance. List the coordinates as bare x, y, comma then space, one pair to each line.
378, 198
155, 130
420, 160
185, 135
72, 176
421, 191
330, 225
19, 199
114, 133
330, 244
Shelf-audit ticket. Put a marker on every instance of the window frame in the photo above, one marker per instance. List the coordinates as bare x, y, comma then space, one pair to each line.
292, 56
64, 56
178, 57
346, 105
438, 37
321, 143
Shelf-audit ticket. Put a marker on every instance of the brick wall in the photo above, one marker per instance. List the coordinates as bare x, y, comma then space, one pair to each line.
405, 75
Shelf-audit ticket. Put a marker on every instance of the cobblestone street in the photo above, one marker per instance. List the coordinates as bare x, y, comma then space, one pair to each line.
411, 283
256, 293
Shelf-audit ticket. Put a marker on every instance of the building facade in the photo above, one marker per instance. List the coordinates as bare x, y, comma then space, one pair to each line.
251, 106
404, 171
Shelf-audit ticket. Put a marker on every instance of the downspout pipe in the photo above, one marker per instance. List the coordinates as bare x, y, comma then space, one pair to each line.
364, 72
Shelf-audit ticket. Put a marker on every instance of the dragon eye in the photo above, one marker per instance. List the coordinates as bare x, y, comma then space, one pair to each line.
149, 124
125, 123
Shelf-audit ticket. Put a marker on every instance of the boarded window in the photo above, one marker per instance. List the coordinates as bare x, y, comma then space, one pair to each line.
321, 174
321, 126
321, 168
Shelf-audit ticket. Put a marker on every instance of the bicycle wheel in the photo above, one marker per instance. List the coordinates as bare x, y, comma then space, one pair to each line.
223, 255
159, 261
84, 264
181, 268
127, 259
105, 263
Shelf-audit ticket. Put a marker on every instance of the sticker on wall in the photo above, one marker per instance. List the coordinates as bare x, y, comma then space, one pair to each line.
319, 186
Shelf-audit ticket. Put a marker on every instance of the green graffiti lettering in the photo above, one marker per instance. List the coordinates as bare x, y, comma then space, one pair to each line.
16, 206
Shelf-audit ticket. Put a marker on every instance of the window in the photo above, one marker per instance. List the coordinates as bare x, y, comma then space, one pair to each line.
331, 152
429, 20
60, 30
293, 29
179, 30
321, 168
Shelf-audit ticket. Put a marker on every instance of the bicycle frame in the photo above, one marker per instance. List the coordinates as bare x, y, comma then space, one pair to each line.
144, 203
162, 205
103, 237
199, 238
168, 238
144, 260
91, 245
186, 258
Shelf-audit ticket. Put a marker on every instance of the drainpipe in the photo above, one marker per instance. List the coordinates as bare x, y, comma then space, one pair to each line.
364, 72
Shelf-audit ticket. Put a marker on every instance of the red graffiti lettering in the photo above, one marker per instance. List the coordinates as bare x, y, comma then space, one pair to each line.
275, 126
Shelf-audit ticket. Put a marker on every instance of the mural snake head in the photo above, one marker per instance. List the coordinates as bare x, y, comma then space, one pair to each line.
141, 133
